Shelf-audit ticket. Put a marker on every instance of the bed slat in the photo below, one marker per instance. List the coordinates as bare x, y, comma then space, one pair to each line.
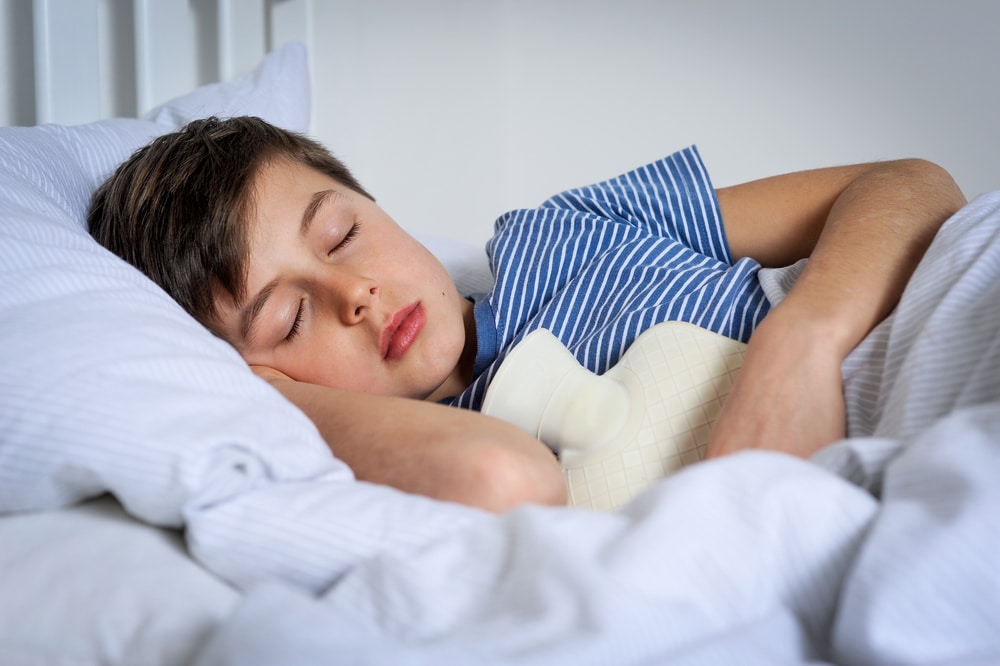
242, 35
166, 50
290, 22
67, 61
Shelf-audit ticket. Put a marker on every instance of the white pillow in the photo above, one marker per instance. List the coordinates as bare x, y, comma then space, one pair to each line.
105, 383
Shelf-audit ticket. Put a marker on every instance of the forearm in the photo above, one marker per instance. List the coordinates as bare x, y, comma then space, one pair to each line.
429, 449
874, 236
865, 229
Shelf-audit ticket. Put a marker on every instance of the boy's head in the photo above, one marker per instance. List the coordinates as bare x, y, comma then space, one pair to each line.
270, 242
177, 209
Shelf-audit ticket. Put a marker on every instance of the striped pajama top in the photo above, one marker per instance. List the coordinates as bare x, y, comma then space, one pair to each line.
598, 265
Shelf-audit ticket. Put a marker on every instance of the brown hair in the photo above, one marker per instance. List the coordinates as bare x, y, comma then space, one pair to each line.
178, 208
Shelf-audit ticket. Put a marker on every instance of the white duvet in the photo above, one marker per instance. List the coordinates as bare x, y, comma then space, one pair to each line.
883, 549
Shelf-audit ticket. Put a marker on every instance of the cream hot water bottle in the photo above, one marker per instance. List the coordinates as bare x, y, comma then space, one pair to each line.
619, 432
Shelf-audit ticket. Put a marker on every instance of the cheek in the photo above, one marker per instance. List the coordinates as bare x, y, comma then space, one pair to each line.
410, 253
332, 364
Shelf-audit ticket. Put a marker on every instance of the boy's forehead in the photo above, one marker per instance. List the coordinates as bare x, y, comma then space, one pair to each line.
283, 168
288, 192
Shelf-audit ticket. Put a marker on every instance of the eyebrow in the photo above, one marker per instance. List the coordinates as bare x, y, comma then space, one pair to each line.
248, 318
315, 203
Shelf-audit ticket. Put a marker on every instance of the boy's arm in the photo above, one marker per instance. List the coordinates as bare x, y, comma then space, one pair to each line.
864, 229
429, 449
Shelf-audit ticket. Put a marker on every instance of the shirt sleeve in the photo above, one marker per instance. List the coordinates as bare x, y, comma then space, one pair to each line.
671, 197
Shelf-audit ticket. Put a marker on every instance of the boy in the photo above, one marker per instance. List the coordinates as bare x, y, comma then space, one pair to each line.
271, 243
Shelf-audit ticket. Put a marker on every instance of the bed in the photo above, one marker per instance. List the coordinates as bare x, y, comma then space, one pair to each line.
159, 504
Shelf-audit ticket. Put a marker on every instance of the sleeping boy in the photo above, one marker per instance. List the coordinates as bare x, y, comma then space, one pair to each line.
270, 242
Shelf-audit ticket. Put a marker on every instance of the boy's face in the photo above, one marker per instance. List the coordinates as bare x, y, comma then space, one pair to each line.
339, 295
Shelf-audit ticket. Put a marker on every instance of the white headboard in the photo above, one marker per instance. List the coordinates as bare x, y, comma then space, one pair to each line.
92, 59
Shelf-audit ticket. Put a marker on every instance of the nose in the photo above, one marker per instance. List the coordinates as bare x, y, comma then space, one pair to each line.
349, 294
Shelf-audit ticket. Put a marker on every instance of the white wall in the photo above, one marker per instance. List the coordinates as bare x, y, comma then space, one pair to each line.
452, 111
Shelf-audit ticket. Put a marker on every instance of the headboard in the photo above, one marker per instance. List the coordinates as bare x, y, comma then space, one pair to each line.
85, 60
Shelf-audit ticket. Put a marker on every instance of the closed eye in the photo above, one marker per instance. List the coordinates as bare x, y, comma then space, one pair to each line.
294, 331
351, 234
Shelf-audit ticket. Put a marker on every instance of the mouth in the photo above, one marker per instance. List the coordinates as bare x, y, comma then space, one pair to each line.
402, 329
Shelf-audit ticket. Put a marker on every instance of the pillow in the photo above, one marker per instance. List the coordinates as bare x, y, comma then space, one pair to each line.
105, 383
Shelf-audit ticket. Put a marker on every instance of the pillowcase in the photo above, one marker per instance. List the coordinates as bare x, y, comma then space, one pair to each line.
105, 383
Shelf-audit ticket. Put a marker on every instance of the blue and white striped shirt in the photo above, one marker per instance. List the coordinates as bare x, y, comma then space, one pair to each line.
599, 265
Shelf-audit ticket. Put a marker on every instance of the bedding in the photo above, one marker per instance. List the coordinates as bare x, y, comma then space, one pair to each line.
161, 504
90, 585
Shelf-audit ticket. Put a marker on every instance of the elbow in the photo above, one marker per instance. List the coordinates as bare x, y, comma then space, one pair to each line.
932, 187
511, 478
501, 478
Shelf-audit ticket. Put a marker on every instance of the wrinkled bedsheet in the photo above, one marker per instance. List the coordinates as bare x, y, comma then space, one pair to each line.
882, 549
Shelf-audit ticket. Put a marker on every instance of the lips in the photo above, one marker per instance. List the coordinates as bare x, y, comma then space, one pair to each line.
402, 330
